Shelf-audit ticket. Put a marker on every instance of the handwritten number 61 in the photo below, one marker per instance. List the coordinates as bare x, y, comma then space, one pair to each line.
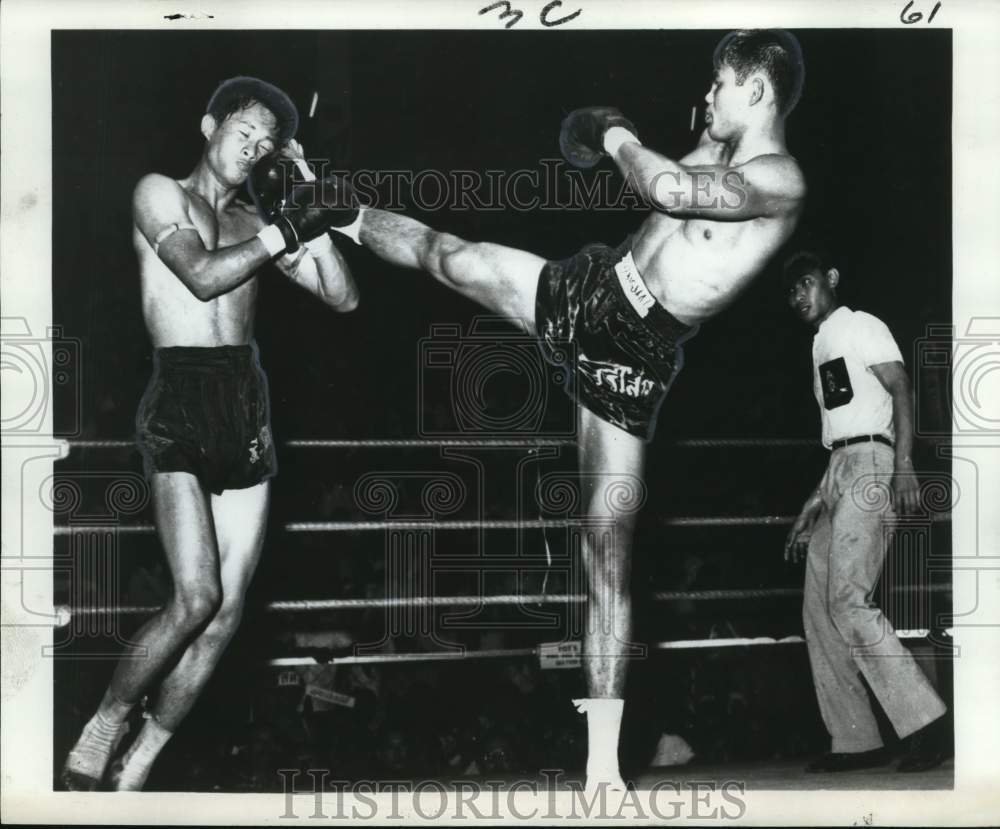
908, 17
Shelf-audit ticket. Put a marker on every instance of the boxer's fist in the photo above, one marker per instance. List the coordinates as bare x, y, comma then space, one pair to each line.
311, 209
581, 138
270, 182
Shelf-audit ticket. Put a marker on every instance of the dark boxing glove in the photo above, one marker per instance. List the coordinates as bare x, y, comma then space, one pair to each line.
312, 209
299, 210
270, 181
581, 138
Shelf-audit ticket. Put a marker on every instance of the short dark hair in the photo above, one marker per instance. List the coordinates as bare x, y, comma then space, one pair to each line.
774, 52
803, 261
236, 94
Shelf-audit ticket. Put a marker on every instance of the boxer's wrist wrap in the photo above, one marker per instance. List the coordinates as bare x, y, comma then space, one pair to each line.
353, 230
273, 238
305, 170
615, 137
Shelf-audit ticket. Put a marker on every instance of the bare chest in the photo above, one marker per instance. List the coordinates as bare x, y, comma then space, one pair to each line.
220, 230
173, 314
695, 267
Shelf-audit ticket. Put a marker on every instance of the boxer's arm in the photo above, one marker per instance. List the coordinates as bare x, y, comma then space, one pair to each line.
159, 209
765, 186
320, 268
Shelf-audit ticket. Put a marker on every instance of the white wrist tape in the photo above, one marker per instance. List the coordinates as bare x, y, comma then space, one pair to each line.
305, 170
353, 230
273, 240
615, 137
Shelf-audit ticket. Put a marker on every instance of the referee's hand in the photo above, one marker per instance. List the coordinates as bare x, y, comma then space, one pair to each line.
797, 542
905, 489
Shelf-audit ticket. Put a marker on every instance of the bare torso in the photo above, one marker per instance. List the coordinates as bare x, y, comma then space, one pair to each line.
696, 267
176, 317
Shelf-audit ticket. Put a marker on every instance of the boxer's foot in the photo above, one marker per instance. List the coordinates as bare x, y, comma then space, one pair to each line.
86, 762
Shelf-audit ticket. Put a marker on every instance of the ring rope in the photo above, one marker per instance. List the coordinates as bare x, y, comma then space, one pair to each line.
485, 524
393, 443
314, 605
450, 656
433, 524
386, 658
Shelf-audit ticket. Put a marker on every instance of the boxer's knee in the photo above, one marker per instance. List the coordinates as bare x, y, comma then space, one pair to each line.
194, 606
224, 623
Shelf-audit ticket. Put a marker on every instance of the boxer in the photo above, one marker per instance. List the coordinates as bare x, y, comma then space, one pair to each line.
203, 424
719, 214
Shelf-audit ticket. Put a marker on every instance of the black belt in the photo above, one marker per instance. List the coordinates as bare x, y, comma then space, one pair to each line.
840, 444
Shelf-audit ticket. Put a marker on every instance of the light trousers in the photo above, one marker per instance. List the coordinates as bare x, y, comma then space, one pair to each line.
846, 633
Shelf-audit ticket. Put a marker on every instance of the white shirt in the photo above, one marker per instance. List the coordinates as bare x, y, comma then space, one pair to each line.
851, 399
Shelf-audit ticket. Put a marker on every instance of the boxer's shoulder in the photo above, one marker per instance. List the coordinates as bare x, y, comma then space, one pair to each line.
158, 184
776, 174
777, 161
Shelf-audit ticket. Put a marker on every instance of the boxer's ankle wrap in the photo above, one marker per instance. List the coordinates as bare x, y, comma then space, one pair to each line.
138, 760
99, 739
615, 137
273, 238
604, 723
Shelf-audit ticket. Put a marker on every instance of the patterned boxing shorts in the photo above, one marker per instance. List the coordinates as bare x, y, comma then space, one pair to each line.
628, 346
206, 412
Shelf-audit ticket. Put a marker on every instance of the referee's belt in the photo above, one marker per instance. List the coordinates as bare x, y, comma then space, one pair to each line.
840, 444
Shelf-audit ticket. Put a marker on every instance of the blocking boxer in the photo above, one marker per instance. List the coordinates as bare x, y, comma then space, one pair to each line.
718, 216
203, 424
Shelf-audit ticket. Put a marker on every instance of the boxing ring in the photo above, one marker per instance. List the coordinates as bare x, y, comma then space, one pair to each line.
786, 774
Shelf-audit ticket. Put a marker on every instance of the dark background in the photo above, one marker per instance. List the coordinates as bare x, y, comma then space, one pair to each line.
872, 134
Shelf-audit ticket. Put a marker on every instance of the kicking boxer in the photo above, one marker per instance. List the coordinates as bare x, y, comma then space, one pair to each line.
866, 408
202, 426
719, 214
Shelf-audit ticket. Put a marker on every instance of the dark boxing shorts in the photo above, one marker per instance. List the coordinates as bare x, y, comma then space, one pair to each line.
206, 412
627, 345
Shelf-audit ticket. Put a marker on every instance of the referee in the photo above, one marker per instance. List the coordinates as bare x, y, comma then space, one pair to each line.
866, 408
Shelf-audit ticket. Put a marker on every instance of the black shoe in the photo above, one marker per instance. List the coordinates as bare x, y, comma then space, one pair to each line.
837, 761
926, 749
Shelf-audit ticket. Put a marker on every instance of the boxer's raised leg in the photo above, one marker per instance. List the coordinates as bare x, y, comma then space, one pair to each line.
502, 279
611, 467
239, 517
